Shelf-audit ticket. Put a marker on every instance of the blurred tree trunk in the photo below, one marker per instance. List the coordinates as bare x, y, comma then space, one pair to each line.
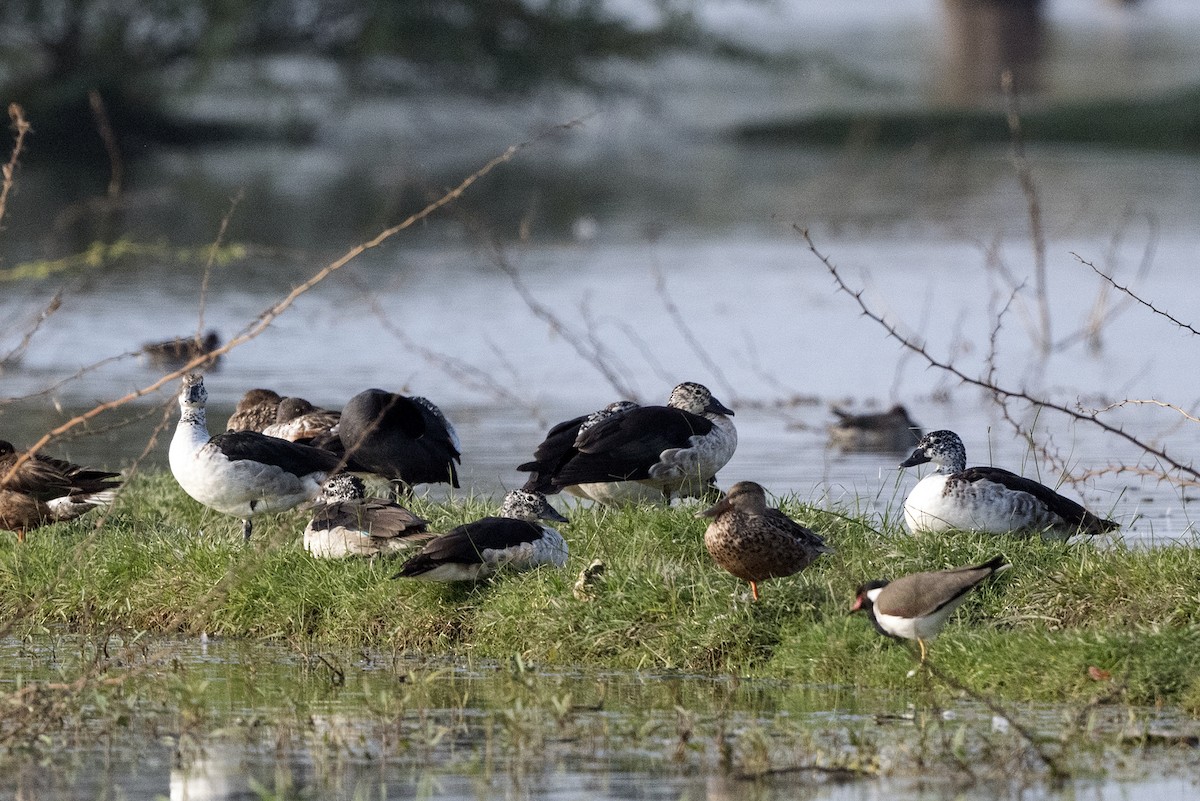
987, 37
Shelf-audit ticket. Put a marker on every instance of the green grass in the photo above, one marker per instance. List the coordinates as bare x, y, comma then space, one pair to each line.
162, 563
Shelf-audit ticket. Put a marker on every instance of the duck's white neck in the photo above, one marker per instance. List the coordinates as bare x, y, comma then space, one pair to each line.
192, 431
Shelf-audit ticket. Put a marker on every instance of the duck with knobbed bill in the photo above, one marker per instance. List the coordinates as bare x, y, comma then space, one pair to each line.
957, 497
756, 542
242, 473
516, 539
650, 454
346, 522
36, 490
407, 440
916, 606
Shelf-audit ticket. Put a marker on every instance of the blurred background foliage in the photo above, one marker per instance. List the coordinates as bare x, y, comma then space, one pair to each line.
136, 53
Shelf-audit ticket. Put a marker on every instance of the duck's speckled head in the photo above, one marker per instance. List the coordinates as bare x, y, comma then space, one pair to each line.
192, 394
697, 399
525, 505
343, 487
943, 448
745, 496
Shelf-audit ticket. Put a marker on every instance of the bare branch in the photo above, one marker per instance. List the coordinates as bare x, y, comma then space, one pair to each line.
997, 390
1135, 296
9, 170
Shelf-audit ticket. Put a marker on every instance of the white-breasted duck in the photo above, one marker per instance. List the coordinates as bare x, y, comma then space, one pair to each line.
36, 489
756, 542
987, 498
256, 410
242, 473
297, 420
175, 353
346, 522
476, 550
916, 606
407, 440
561, 445
890, 431
653, 453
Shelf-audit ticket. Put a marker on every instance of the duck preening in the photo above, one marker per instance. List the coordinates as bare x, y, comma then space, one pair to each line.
756, 542
36, 490
407, 440
297, 420
346, 522
476, 550
916, 606
987, 498
242, 473
650, 453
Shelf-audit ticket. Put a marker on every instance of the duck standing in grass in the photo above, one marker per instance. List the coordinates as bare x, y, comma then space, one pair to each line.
407, 440
987, 498
242, 473
916, 606
561, 445
36, 490
756, 542
891, 431
476, 550
652, 453
347, 523
256, 410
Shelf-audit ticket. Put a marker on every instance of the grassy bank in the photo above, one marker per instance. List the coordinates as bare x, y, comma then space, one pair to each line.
162, 563
1167, 122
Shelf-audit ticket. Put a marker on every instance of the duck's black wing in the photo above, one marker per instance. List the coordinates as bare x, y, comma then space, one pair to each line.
465, 544
624, 448
291, 457
1067, 509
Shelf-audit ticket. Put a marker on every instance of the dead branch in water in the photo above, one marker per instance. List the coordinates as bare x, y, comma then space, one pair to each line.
9, 170
1001, 393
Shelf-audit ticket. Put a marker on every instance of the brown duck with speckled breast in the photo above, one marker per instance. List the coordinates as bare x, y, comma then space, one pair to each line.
756, 542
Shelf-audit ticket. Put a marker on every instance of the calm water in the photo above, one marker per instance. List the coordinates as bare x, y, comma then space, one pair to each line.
650, 249
228, 721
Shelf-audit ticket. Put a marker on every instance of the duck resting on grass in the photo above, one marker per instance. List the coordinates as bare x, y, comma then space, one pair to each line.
256, 410
242, 473
987, 498
407, 440
916, 606
756, 542
347, 523
561, 445
477, 550
44, 490
652, 453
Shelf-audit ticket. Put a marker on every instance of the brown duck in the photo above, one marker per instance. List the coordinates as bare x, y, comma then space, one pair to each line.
756, 542
45, 490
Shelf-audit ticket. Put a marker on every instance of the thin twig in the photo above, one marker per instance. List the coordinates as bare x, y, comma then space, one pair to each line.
1002, 392
212, 257
1135, 296
9, 170
259, 325
104, 127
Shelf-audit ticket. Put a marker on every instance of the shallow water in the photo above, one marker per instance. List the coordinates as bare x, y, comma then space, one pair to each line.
192, 720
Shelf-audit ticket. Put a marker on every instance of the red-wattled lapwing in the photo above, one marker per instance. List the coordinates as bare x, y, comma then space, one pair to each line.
916, 606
